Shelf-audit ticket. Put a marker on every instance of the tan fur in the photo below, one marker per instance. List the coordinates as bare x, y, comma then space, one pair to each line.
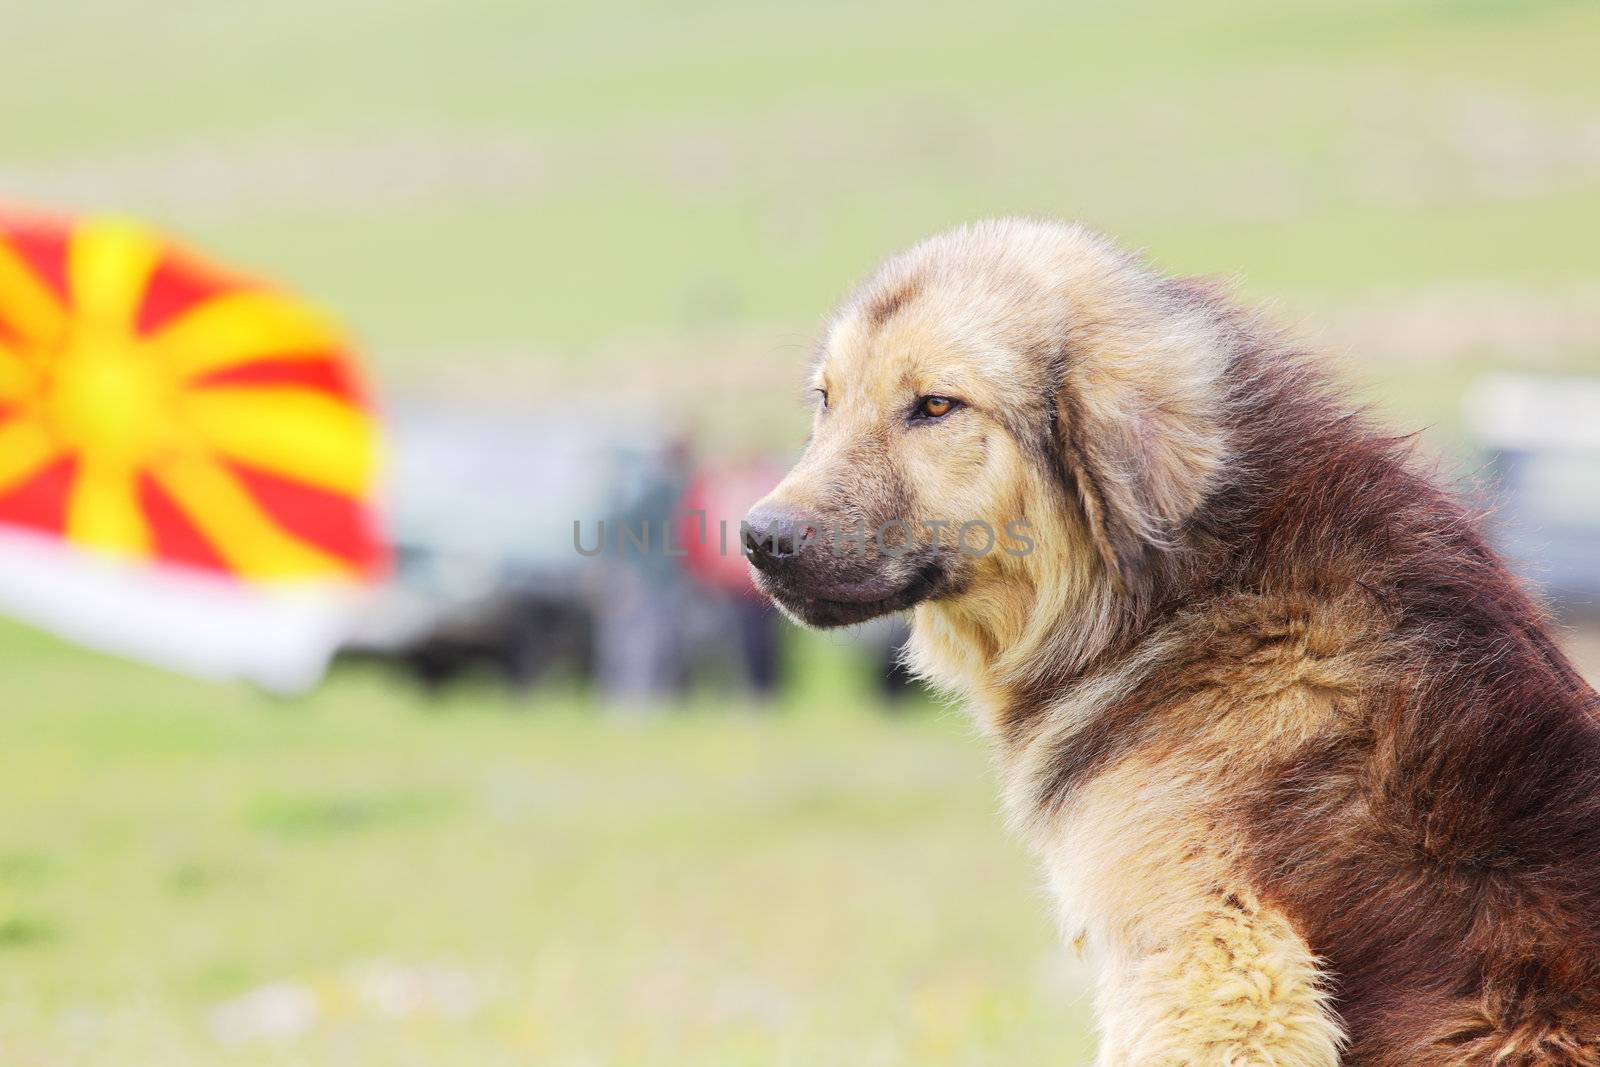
1142, 863
1141, 746
1236, 985
1148, 411
1197, 970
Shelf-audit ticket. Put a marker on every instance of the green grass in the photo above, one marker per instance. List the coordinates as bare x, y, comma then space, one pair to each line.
664, 169
564, 205
730, 886
709, 888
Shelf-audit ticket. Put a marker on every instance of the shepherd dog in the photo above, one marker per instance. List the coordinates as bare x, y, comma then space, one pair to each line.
1310, 781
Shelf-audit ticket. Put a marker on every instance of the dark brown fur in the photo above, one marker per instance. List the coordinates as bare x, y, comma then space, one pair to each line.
883, 309
1442, 854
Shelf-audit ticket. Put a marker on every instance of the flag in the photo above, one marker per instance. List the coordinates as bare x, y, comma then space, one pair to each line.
187, 455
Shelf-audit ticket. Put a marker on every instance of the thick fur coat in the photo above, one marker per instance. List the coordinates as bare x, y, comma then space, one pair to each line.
1309, 777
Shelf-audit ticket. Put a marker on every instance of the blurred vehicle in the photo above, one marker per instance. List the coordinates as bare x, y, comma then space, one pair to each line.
481, 507
1542, 436
649, 595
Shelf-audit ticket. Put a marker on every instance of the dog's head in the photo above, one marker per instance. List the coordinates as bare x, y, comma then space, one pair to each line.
1014, 409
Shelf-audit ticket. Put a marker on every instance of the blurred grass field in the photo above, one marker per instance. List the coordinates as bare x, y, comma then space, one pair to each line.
479, 882
649, 207
563, 199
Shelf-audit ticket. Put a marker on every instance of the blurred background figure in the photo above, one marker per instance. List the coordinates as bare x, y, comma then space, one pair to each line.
585, 253
711, 511
642, 653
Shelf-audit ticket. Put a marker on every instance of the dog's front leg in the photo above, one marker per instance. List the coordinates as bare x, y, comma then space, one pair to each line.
1235, 987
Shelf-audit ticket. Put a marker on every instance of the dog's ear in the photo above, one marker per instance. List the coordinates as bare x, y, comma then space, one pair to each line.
1137, 413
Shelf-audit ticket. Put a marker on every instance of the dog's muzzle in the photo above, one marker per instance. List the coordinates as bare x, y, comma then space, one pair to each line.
823, 583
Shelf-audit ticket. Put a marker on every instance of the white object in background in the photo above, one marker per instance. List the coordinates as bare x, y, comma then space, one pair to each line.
280, 636
1525, 414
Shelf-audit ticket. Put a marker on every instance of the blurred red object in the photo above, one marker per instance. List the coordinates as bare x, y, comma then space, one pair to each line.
712, 508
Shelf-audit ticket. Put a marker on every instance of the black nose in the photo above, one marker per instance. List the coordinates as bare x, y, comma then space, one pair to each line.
772, 535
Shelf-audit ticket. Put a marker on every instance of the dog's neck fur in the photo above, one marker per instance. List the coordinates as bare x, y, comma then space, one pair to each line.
1025, 633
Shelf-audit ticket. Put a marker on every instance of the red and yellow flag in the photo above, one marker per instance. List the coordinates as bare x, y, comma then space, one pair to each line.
156, 407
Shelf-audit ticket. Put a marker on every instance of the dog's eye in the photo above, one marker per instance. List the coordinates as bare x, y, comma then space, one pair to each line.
934, 407
823, 393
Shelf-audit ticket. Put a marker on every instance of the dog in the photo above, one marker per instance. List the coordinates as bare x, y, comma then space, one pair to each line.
1310, 780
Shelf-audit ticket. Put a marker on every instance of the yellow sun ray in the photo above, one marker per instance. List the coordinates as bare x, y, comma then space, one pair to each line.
299, 433
17, 376
25, 448
103, 509
108, 267
241, 327
243, 534
26, 303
